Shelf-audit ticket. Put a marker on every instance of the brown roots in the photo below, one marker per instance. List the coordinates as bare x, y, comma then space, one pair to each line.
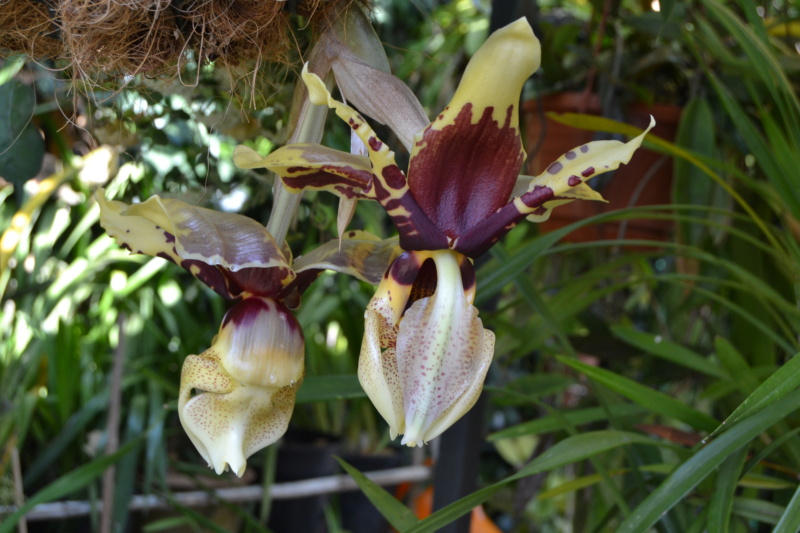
116, 39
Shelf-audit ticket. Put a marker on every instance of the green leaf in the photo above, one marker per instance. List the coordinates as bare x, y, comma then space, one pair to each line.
761, 510
645, 396
326, 388
577, 417
719, 509
670, 351
736, 365
568, 451
703, 463
690, 185
398, 515
790, 520
776, 387
22, 158
69, 483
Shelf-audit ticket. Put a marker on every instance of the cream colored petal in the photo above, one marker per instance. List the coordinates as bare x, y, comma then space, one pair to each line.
261, 343
237, 397
230, 427
377, 372
451, 415
442, 355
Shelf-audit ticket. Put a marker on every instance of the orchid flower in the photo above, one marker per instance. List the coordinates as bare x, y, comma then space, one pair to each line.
425, 352
237, 397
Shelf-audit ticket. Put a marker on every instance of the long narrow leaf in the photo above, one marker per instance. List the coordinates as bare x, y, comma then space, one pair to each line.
776, 387
670, 351
790, 520
568, 451
398, 515
644, 396
703, 463
69, 483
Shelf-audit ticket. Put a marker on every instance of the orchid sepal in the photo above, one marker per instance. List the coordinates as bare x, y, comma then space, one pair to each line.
464, 164
228, 252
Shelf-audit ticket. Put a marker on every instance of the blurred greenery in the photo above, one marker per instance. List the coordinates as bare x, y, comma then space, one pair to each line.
637, 384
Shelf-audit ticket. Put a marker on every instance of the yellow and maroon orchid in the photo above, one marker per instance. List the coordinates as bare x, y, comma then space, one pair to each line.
237, 397
425, 352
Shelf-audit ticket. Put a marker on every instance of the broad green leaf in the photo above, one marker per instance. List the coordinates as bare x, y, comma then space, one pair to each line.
398, 515
776, 387
644, 396
326, 388
671, 351
22, 160
790, 520
703, 463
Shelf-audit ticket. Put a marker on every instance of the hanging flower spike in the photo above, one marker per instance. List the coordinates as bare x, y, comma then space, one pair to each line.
237, 397
462, 194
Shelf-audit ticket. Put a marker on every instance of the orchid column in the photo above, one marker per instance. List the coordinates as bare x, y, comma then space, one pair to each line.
425, 352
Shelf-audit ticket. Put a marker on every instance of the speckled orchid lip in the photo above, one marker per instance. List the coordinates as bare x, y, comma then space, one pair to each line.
425, 352
237, 397
462, 191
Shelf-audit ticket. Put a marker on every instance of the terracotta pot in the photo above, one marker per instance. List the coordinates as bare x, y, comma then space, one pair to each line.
646, 180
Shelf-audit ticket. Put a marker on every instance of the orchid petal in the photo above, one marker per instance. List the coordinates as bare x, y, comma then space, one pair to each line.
587, 161
237, 397
314, 167
377, 364
443, 354
380, 95
389, 184
464, 165
562, 180
358, 253
226, 251
423, 366
580, 192
378, 375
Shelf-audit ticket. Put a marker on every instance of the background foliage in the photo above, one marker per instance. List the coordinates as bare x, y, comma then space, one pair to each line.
636, 384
